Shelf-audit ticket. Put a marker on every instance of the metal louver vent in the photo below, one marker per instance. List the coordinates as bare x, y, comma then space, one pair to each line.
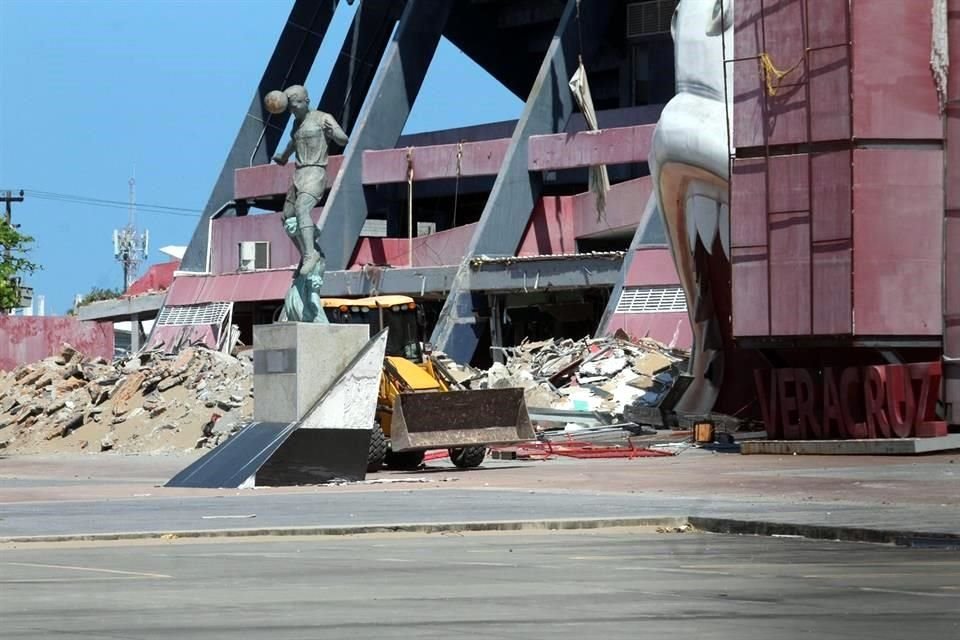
651, 300
194, 314
649, 18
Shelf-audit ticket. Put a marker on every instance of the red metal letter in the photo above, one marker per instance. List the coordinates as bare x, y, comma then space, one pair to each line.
788, 403
809, 425
900, 395
851, 378
930, 374
768, 403
833, 422
873, 393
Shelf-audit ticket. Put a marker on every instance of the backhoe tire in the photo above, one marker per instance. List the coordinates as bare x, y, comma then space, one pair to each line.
467, 457
404, 460
378, 449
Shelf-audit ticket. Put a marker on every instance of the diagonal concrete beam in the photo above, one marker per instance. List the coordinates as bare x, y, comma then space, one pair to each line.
650, 231
260, 131
516, 190
381, 122
360, 55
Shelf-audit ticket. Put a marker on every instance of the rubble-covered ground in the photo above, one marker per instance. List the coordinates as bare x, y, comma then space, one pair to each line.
157, 403
151, 403
603, 375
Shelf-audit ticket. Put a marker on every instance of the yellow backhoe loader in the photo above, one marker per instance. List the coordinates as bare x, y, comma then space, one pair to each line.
420, 406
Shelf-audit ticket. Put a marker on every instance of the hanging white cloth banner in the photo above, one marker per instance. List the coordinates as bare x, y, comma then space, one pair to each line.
599, 179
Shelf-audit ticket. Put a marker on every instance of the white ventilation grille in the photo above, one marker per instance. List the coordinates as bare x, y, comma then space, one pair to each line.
651, 300
194, 314
650, 18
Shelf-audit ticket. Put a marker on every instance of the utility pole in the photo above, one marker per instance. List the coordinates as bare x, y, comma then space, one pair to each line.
8, 199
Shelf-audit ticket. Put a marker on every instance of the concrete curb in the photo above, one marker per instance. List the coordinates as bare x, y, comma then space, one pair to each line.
727, 526
433, 527
908, 538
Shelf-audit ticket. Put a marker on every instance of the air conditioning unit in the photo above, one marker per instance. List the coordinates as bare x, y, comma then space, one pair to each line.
254, 255
650, 18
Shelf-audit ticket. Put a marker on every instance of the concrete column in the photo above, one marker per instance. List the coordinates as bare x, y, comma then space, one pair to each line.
134, 333
650, 232
516, 190
356, 66
392, 94
260, 130
496, 328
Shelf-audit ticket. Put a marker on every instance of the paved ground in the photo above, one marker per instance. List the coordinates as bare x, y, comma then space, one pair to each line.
610, 585
104, 493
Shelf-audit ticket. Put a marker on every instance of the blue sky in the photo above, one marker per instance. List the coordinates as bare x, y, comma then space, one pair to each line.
91, 91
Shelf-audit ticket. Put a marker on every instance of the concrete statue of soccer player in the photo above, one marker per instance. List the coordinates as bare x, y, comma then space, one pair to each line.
313, 131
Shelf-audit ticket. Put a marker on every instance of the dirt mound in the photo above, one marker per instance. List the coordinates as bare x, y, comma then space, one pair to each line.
151, 403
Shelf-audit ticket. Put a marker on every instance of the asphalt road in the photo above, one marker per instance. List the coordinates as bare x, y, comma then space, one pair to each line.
604, 585
162, 510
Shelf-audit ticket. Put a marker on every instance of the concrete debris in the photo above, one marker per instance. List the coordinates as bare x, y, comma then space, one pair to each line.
591, 376
149, 403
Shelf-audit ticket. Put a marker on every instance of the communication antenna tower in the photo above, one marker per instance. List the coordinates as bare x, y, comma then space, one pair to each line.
130, 247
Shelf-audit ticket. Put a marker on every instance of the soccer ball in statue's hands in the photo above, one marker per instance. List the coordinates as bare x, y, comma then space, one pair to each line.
275, 102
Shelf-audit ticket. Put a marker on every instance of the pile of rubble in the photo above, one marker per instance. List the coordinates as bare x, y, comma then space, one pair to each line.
602, 375
151, 403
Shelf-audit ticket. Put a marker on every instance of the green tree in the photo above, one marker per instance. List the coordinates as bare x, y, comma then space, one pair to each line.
13, 262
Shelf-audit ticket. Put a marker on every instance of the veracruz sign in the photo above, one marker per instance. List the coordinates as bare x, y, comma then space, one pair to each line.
882, 401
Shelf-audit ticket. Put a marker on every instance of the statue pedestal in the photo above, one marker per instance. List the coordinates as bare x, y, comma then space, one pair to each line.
295, 362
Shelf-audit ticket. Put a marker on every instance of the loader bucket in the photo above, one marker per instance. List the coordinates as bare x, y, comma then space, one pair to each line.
440, 420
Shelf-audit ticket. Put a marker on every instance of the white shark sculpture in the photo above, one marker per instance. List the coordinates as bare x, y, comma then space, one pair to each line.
689, 162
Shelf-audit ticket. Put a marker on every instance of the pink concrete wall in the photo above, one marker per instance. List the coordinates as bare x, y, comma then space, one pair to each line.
832, 243
617, 145
25, 339
898, 240
436, 161
951, 329
551, 228
653, 266
894, 95
668, 328
750, 299
228, 233
441, 248
817, 84
558, 221
271, 179
792, 251
625, 204
555, 224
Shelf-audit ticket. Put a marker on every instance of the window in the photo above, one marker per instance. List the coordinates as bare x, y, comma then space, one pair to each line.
651, 300
254, 255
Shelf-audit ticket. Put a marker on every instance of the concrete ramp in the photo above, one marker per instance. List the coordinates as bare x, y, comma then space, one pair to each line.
331, 440
239, 458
